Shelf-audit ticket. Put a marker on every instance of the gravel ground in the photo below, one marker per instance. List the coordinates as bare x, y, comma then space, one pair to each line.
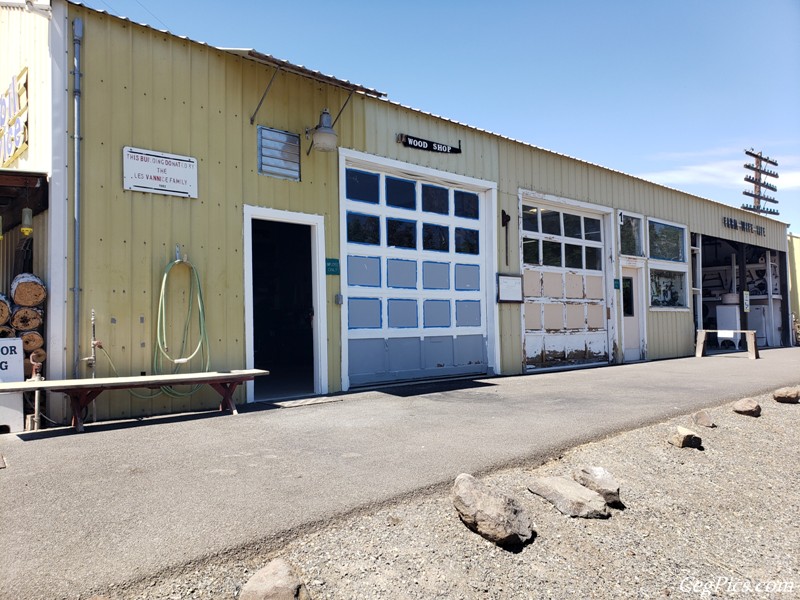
721, 521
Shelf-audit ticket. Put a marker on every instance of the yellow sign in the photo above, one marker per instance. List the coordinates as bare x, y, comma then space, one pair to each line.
14, 119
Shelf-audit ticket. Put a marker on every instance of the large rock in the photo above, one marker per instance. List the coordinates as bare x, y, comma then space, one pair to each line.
276, 581
685, 438
491, 513
703, 419
601, 481
787, 395
570, 497
747, 406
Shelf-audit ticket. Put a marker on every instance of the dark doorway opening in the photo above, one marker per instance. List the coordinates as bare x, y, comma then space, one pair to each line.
283, 309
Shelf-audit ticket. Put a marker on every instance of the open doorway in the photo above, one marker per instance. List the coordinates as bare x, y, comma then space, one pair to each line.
283, 309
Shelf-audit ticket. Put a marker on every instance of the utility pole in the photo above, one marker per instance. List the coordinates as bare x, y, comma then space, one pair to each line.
758, 182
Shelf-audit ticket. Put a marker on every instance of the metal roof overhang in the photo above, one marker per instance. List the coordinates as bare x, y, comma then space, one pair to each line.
18, 190
284, 65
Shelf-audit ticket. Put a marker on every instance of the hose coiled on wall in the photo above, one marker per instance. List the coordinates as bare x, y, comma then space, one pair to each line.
161, 352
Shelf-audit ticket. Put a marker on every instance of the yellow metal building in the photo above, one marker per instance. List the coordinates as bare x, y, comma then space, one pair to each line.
418, 248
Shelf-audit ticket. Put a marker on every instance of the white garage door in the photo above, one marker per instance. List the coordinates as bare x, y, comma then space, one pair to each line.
565, 317
413, 273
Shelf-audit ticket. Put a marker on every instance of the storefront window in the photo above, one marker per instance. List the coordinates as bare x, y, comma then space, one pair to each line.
630, 236
667, 242
667, 288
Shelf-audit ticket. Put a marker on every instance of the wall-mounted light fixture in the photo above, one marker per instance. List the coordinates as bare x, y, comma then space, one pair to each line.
27, 221
323, 136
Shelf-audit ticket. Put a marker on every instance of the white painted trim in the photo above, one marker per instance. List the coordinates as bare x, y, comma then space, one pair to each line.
641, 303
59, 218
561, 201
318, 288
352, 158
639, 263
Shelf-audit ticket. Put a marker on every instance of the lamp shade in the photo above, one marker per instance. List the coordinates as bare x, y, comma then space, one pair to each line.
324, 137
27, 221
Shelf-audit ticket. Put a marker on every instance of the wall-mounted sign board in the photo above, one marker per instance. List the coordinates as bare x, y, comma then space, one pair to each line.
509, 288
154, 172
331, 266
409, 141
14, 119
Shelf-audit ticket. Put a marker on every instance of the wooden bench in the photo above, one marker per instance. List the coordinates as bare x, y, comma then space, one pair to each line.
82, 392
750, 338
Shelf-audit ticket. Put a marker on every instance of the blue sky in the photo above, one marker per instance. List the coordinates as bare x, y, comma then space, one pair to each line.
669, 91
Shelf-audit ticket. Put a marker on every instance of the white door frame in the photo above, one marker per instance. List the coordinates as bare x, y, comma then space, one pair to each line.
318, 289
639, 304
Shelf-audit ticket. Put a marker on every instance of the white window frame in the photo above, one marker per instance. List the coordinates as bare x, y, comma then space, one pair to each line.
682, 267
644, 241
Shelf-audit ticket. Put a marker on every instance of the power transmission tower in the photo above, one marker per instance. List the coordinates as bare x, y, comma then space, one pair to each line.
759, 182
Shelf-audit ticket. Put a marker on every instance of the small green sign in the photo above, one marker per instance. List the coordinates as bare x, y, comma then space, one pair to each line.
616, 284
331, 266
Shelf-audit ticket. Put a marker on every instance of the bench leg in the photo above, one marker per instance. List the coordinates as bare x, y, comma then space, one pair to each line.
77, 409
752, 346
226, 391
79, 400
700, 344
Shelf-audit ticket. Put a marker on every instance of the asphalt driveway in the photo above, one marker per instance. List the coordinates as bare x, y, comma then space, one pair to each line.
130, 498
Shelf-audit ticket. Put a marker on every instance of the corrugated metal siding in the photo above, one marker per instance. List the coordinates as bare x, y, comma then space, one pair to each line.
794, 274
151, 90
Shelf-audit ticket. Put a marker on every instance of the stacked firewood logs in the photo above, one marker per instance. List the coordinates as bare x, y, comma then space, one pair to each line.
23, 317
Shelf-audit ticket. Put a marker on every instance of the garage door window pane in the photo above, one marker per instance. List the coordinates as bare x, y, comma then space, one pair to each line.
363, 186
551, 254
594, 258
551, 222
401, 193
465, 205
363, 229
530, 218
592, 229
401, 233
573, 256
435, 237
435, 199
572, 226
467, 241
530, 252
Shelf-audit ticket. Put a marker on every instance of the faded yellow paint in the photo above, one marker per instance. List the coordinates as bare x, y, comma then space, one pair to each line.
794, 274
152, 90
